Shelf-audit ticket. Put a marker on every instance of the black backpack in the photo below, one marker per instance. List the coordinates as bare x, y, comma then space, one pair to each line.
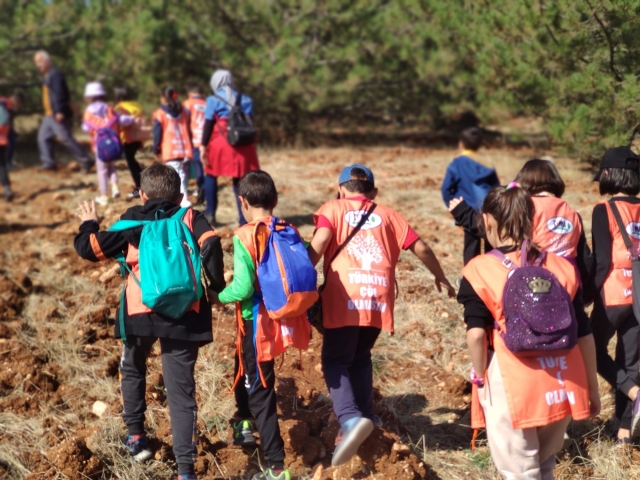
240, 129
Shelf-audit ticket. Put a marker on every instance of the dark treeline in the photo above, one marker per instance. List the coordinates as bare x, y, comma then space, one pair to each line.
347, 63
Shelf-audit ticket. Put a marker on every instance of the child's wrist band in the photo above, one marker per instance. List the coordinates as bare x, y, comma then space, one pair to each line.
473, 378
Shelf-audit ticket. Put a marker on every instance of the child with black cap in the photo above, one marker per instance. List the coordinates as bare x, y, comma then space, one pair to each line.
619, 178
361, 243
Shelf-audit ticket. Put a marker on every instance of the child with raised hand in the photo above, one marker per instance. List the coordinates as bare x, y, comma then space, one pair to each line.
359, 294
469, 180
99, 114
255, 393
172, 142
179, 338
526, 386
619, 179
195, 104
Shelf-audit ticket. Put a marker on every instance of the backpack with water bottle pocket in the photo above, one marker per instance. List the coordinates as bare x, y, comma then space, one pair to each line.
538, 310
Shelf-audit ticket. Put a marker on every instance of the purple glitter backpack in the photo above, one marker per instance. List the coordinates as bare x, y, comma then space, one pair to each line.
538, 311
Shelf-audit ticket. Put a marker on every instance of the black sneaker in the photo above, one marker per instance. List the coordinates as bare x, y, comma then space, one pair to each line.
243, 433
135, 193
138, 446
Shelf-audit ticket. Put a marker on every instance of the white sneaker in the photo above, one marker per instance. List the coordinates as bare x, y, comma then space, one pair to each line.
102, 200
115, 191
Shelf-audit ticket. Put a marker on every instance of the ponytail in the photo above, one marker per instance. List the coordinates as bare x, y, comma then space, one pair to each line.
170, 94
513, 210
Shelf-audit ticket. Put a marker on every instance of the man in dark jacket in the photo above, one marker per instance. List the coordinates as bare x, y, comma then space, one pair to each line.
58, 117
179, 339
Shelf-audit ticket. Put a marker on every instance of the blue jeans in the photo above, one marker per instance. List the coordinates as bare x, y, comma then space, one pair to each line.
211, 196
199, 170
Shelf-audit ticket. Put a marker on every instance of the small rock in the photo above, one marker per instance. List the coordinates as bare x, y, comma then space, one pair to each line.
99, 408
400, 447
318, 473
444, 314
318, 368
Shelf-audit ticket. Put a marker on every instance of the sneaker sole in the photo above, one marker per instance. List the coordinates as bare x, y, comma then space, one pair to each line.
143, 456
244, 440
349, 445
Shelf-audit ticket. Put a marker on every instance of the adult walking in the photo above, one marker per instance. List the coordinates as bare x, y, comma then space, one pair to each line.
58, 117
221, 158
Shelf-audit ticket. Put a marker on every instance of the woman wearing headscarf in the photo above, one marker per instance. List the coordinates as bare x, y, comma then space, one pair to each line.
221, 158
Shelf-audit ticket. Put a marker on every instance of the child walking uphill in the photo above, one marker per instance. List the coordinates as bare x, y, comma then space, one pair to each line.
619, 178
470, 180
172, 137
139, 326
195, 105
529, 377
361, 243
98, 116
8, 137
255, 394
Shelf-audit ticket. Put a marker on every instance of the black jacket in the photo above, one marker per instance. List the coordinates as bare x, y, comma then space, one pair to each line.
95, 245
59, 97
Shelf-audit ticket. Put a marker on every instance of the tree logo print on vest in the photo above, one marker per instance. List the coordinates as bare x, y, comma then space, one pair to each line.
633, 229
366, 249
353, 218
560, 225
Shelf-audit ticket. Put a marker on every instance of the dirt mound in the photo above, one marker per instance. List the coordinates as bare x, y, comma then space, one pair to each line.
73, 459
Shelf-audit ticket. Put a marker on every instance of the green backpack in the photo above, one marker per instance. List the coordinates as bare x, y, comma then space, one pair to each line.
170, 265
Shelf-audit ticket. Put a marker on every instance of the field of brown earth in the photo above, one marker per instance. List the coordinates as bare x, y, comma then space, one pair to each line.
58, 357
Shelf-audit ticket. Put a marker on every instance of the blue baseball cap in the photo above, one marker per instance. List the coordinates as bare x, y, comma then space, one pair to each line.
345, 176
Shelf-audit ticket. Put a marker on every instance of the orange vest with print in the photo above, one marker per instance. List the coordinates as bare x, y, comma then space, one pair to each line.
99, 121
196, 108
540, 389
133, 292
360, 283
616, 289
176, 144
556, 226
4, 129
273, 337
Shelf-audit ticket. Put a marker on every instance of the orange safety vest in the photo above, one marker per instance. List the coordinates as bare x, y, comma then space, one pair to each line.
540, 389
360, 286
93, 120
133, 292
5, 129
176, 144
616, 289
556, 226
272, 337
196, 108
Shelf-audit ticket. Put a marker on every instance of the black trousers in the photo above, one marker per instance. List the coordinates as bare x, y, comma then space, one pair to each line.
253, 399
178, 362
4, 167
622, 372
348, 370
130, 150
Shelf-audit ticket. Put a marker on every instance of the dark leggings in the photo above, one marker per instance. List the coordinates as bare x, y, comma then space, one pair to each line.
4, 167
130, 150
211, 196
622, 372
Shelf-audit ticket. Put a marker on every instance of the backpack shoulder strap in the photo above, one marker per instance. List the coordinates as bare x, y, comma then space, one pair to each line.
623, 231
504, 260
121, 225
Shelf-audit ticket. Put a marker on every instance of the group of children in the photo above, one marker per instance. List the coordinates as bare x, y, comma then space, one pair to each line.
528, 224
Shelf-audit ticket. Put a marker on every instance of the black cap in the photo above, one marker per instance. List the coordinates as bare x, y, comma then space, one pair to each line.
618, 157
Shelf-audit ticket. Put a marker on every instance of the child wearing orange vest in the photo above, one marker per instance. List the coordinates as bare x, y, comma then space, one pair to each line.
557, 227
525, 402
98, 114
172, 142
358, 296
195, 105
255, 394
179, 339
619, 178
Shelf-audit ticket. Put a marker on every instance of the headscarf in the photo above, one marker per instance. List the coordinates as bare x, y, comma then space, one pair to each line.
223, 79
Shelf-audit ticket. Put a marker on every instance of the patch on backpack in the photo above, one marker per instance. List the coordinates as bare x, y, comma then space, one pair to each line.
539, 285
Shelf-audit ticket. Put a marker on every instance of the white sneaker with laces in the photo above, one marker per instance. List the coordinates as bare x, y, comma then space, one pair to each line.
102, 200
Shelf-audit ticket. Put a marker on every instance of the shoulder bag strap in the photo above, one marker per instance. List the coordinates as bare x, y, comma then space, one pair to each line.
623, 231
354, 232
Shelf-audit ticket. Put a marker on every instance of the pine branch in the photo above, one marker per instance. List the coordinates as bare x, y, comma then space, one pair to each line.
607, 34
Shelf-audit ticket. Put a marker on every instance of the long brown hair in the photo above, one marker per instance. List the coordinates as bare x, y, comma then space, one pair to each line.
513, 210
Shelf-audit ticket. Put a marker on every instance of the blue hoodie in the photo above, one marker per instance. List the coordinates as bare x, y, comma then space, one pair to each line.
468, 179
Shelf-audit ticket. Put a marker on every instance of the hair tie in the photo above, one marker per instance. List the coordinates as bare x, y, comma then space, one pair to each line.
174, 95
512, 185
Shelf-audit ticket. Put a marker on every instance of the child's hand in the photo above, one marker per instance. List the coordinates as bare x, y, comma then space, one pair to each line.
87, 212
443, 282
455, 202
594, 403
